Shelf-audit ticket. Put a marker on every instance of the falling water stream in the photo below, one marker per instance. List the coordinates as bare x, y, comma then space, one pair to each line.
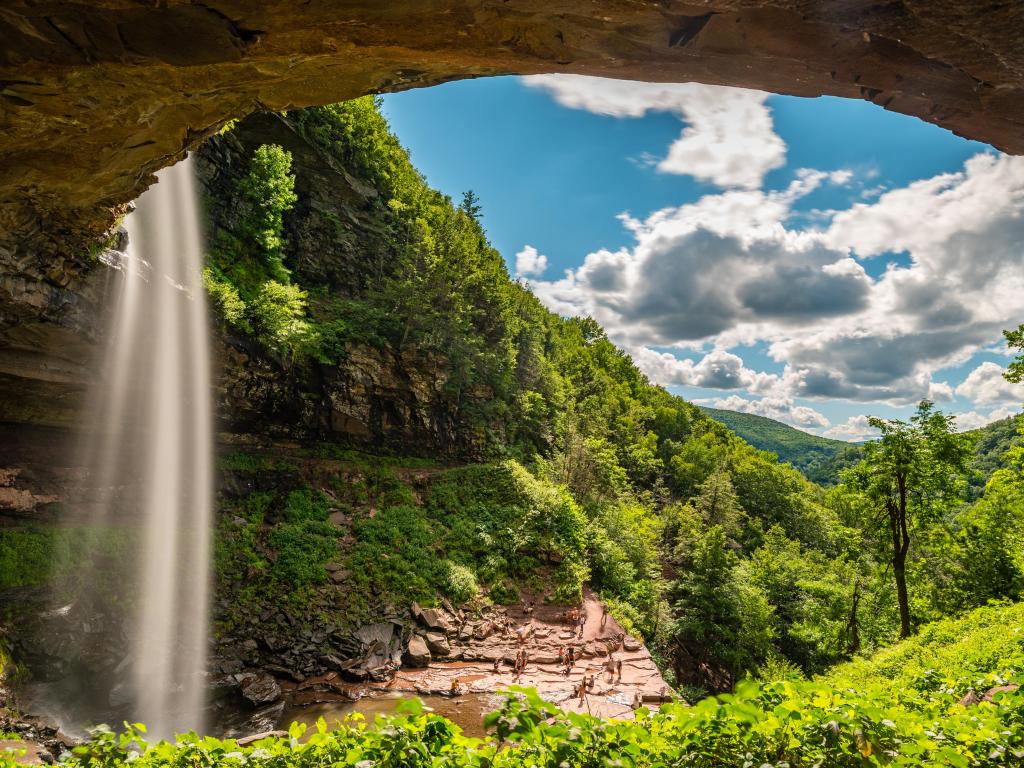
153, 433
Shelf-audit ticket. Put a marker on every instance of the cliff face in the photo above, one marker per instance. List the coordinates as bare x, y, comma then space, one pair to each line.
97, 96
380, 397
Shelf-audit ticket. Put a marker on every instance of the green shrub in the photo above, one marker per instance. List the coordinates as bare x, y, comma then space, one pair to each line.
225, 299
460, 582
302, 550
277, 315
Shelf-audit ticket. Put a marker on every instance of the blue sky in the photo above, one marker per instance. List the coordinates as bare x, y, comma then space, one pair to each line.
784, 256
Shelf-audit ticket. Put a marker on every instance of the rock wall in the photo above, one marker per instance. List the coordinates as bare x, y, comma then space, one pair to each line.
95, 97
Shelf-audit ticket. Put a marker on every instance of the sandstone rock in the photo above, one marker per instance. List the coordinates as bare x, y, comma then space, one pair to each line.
438, 644
970, 699
260, 721
418, 654
991, 693
436, 619
245, 741
483, 630
114, 72
631, 644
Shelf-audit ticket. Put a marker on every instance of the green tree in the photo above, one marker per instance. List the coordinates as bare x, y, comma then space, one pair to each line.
1015, 340
914, 470
722, 624
470, 204
267, 191
717, 503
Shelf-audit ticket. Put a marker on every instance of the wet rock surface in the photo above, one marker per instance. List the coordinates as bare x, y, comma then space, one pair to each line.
475, 642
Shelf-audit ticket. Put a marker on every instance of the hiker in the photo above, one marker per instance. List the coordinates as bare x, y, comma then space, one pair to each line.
583, 621
571, 656
583, 690
610, 668
604, 615
526, 658
637, 700
590, 683
618, 670
497, 666
561, 655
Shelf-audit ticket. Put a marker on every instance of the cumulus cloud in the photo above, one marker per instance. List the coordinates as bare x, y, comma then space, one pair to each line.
854, 430
729, 138
985, 384
716, 370
778, 408
733, 268
530, 262
968, 420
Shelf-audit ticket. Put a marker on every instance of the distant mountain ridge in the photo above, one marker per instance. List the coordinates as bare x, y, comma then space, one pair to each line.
821, 459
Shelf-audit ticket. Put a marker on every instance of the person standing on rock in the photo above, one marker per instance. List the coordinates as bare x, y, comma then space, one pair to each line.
583, 690
604, 615
610, 668
497, 666
618, 670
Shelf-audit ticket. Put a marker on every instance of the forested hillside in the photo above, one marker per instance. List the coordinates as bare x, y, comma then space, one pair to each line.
823, 460
819, 458
329, 250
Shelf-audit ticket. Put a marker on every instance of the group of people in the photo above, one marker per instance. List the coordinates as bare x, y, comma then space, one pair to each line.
586, 685
567, 658
522, 656
614, 669
577, 617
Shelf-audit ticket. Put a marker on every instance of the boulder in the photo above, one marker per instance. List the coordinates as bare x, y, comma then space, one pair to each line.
438, 644
436, 619
483, 630
260, 689
631, 644
417, 654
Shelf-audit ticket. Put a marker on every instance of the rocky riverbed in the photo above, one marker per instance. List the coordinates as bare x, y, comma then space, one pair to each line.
458, 655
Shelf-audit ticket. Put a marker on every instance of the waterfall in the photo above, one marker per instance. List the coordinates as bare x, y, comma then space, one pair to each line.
152, 432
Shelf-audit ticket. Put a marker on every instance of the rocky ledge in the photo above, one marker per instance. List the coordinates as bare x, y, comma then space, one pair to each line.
452, 652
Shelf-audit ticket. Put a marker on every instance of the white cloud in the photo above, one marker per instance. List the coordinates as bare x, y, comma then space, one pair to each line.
778, 408
734, 268
855, 429
530, 262
969, 420
729, 138
985, 384
716, 370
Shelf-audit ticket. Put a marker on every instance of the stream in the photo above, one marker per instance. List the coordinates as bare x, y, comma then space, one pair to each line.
466, 711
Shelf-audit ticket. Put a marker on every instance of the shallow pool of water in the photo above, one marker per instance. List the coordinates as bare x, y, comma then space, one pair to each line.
465, 711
